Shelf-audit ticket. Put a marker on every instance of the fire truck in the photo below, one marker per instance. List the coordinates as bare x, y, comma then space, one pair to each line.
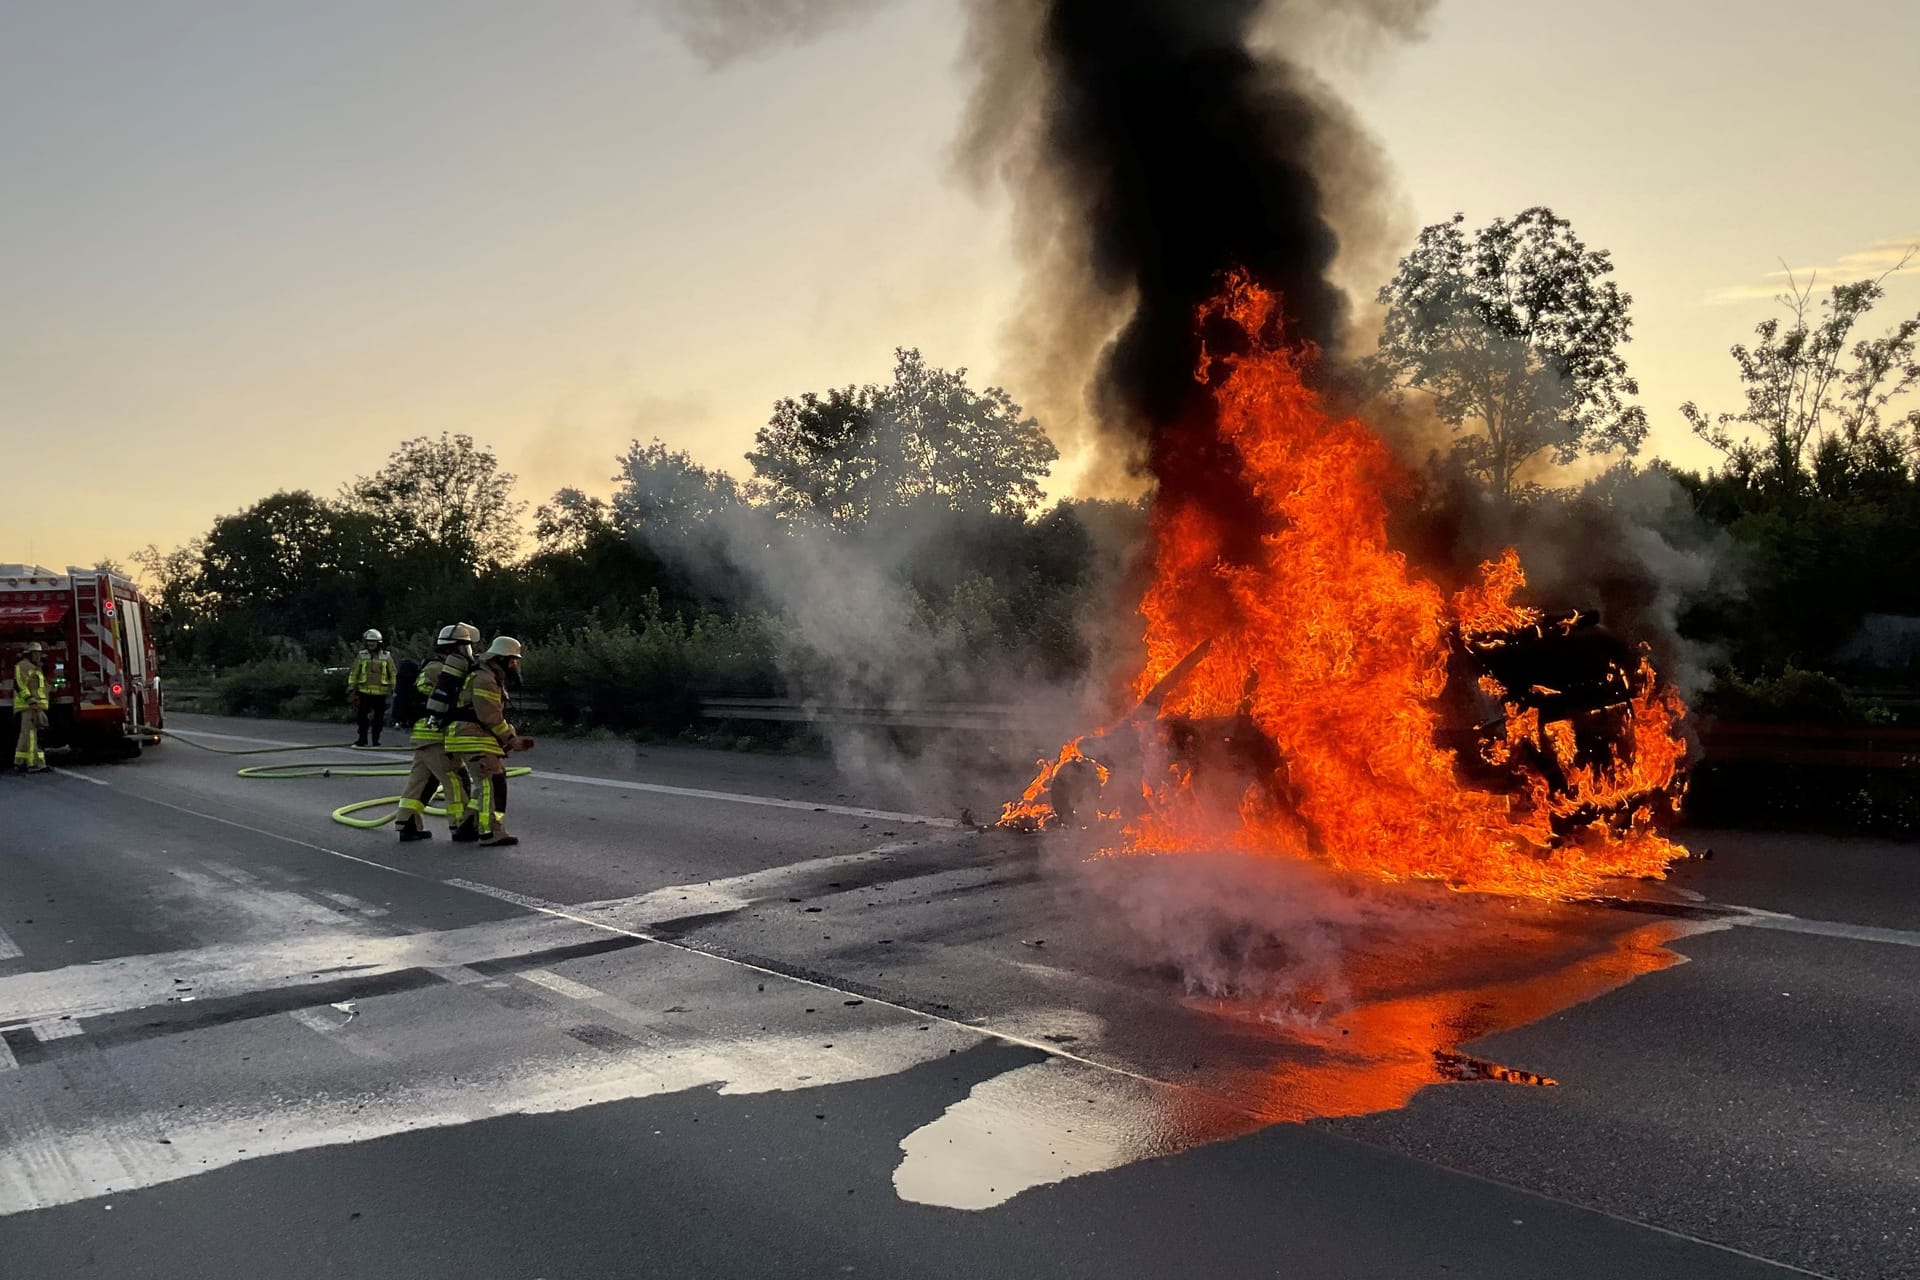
102, 666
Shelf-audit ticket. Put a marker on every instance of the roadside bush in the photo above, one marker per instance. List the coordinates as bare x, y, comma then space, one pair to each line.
1792, 697
282, 687
651, 676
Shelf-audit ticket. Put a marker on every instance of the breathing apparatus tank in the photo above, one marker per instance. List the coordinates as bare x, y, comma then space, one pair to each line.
456, 664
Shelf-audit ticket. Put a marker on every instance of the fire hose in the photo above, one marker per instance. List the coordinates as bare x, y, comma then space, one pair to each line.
325, 769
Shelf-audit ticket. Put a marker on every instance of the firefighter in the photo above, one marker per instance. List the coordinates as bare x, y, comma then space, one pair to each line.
481, 736
371, 682
30, 702
431, 766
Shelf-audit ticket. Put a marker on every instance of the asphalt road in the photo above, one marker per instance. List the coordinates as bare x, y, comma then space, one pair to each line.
733, 1015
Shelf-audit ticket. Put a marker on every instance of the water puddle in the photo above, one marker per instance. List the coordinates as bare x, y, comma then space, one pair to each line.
1396, 1029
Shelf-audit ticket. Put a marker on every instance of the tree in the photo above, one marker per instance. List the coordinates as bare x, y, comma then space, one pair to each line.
927, 440
569, 522
1518, 331
1817, 406
666, 498
447, 500
277, 551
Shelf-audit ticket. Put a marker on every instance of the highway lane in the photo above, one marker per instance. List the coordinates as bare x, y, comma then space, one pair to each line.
686, 1031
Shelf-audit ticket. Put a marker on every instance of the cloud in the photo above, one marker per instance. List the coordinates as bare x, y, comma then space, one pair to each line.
723, 31
1898, 255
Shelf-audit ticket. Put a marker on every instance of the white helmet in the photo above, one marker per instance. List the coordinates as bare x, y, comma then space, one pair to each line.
466, 633
504, 647
371, 636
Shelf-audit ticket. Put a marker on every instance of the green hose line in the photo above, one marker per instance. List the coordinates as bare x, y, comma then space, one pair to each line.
255, 751
315, 769
344, 814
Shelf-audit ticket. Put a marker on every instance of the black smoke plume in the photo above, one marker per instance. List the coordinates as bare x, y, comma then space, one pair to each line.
1151, 146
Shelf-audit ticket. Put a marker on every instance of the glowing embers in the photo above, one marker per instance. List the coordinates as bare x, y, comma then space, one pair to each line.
1306, 693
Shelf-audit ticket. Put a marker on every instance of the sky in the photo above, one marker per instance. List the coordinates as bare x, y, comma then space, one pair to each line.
251, 245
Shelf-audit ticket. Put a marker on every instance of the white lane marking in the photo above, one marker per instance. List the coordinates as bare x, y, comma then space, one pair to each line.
68, 773
1754, 919
7, 1061
9, 949
735, 797
653, 788
505, 895
73, 1152
55, 1029
730, 893
284, 959
561, 985
265, 742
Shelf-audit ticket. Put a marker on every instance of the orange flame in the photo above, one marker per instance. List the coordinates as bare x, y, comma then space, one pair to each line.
1328, 641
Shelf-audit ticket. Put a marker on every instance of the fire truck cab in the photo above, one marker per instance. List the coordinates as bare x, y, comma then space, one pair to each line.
102, 664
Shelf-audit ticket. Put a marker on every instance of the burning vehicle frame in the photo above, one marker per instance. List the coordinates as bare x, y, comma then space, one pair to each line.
1548, 699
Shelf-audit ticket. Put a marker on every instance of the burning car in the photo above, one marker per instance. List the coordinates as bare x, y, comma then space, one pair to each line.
1307, 692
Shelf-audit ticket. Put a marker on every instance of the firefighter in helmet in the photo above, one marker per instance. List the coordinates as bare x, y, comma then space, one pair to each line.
371, 682
431, 765
481, 736
30, 702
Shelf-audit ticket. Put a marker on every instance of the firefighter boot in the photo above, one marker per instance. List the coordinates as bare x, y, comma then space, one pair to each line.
413, 829
468, 831
498, 837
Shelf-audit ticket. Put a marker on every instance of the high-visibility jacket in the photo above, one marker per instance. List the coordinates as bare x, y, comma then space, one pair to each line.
480, 725
371, 675
425, 733
29, 687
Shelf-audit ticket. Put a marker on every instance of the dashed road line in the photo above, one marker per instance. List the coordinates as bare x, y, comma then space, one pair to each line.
7, 1061
49, 1029
560, 985
86, 778
9, 949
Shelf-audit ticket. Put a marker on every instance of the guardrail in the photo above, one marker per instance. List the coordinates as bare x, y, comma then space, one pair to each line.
1864, 747
964, 717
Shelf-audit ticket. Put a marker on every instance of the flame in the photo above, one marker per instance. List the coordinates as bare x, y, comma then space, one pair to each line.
1337, 651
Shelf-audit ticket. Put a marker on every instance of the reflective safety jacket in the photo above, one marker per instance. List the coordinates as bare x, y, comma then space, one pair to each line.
372, 675
425, 732
480, 724
29, 687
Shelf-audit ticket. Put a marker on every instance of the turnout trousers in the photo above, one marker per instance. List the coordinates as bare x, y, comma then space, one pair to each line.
432, 766
489, 802
26, 752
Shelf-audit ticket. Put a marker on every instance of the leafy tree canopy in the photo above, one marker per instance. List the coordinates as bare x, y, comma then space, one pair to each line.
1516, 330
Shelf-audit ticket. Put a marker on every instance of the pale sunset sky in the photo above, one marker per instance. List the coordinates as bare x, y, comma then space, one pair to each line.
248, 245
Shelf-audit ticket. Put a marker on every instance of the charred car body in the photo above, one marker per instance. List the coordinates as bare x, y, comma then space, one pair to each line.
1546, 703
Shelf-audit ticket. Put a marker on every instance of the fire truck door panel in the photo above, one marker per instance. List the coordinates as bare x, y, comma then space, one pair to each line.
135, 647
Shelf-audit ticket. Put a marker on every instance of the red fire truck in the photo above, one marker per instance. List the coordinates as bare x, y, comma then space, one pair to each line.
101, 661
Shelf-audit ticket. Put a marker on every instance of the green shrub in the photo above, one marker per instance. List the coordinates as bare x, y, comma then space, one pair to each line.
1792, 697
651, 676
280, 687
